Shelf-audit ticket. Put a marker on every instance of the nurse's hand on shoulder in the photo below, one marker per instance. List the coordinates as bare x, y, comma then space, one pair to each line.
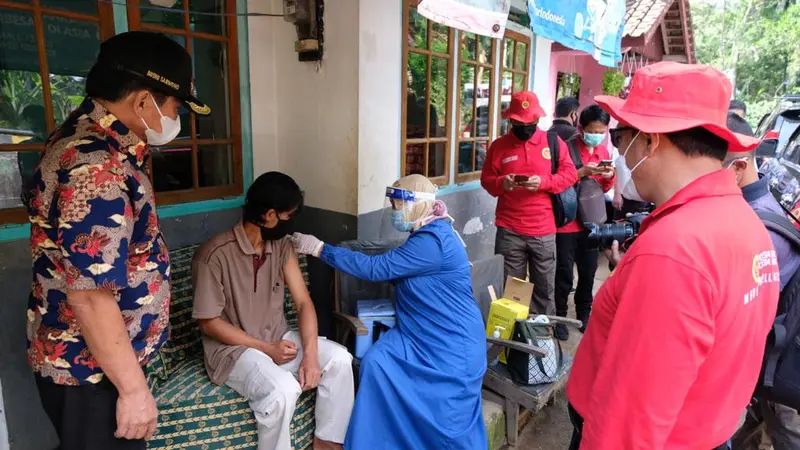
306, 244
613, 254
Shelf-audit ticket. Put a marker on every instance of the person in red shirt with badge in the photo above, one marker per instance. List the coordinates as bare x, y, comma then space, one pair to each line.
518, 171
572, 245
674, 348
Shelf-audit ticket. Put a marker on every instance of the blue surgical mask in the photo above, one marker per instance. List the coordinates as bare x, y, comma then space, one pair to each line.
592, 140
399, 222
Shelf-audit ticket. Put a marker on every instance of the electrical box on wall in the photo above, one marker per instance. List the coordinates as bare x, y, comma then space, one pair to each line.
306, 15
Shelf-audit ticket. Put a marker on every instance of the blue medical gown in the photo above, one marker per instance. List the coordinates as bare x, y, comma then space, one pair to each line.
421, 382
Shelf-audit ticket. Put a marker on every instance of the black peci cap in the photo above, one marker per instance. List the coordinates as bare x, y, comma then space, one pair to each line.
156, 60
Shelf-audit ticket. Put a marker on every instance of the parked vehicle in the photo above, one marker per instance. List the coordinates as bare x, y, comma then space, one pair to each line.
777, 127
783, 173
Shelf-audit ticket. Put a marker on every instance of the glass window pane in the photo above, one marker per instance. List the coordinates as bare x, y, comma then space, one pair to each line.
207, 17
214, 165
415, 159
480, 154
22, 115
439, 89
519, 82
436, 151
211, 82
506, 86
172, 168
521, 56
78, 6
485, 50
468, 46
467, 95
465, 151
508, 53
440, 38
417, 96
172, 18
417, 30
485, 99
72, 47
13, 167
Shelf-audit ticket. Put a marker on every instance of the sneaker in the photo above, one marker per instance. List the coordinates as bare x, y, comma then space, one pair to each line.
561, 332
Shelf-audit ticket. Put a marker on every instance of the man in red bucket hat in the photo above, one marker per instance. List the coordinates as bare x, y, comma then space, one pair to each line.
518, 171
674, 348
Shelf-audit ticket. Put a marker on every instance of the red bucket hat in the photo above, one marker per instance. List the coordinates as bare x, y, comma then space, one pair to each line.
666, 97
524, 107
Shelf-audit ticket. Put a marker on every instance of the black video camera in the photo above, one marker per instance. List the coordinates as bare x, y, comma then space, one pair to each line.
623, 231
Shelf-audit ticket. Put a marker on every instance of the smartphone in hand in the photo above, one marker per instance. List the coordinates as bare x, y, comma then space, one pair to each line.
606, 163
519, 179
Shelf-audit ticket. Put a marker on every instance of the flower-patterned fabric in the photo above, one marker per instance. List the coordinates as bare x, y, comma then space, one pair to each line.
94, 226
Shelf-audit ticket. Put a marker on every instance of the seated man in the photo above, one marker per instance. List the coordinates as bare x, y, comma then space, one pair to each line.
239, 278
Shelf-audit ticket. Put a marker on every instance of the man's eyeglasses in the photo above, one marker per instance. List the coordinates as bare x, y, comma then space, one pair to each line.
614, 134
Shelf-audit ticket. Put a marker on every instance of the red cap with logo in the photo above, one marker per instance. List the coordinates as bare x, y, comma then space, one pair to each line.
666, 97
524, 107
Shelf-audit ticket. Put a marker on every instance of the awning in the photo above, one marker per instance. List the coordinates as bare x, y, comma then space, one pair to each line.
484, 17
591, 26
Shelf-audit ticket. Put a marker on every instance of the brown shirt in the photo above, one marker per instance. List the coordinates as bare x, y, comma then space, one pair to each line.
233, 282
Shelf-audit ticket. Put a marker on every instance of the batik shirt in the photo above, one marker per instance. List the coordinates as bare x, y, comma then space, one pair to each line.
93, 226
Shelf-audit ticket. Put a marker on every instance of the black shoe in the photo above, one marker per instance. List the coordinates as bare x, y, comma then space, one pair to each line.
561, 332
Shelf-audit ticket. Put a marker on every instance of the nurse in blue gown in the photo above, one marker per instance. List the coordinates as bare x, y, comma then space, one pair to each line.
421, 382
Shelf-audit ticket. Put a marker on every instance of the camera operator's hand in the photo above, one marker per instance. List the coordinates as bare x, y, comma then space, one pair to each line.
613, 254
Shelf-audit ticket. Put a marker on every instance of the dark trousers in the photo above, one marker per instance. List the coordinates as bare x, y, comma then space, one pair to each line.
534, 257
577, 425
85, 417
574, 249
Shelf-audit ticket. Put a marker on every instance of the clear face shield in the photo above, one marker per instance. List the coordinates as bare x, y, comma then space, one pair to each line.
402, 209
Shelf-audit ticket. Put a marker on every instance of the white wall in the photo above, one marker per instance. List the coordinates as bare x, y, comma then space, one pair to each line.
541, 79
380, 61
305, 115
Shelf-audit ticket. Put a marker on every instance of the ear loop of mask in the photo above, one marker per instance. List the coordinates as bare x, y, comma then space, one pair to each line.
730, 166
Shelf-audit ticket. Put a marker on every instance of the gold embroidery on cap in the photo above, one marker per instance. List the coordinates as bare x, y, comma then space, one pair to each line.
525, 104
202, 110
164, 80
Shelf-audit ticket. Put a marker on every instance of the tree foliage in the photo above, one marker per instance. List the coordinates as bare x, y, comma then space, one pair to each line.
758, 41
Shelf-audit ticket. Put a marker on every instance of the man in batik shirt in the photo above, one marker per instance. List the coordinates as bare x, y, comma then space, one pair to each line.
99, 307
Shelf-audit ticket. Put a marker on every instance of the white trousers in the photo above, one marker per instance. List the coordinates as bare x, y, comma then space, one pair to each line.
273, 391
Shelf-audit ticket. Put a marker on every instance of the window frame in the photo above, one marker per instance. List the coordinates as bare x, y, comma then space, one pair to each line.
105, 22
526, 72
447, 140
475, 174
230, 39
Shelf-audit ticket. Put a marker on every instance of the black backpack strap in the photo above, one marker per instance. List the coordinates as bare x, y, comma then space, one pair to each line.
780, 224
780, 335
574, 151
552, 142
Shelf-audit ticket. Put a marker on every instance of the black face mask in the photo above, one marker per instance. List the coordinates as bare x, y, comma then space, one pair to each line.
524, 132
280, 231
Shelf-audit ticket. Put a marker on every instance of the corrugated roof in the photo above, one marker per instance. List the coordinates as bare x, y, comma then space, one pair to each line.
642, 15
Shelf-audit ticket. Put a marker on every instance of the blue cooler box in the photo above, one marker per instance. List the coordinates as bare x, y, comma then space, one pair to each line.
369, 312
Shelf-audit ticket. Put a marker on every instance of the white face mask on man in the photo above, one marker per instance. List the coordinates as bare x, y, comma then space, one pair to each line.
169, 128
629, 191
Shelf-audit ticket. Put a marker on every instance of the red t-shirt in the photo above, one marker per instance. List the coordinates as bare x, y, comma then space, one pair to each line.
676, 338
600, 153
523, 212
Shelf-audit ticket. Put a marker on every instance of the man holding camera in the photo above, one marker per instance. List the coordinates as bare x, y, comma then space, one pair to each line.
518, 171
678, 330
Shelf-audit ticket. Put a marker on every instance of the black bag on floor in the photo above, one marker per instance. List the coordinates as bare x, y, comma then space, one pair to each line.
530, 369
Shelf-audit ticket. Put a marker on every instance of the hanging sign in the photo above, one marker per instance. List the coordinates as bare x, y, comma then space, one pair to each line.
591, 26
483, 17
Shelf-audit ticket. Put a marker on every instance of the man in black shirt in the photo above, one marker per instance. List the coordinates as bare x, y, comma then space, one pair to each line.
566, 118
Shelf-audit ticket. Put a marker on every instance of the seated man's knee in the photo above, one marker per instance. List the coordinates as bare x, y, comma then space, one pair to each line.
283, 398
340, 358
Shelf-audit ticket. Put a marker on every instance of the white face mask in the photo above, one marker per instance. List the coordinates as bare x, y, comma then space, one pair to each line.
169, 129
629, 191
